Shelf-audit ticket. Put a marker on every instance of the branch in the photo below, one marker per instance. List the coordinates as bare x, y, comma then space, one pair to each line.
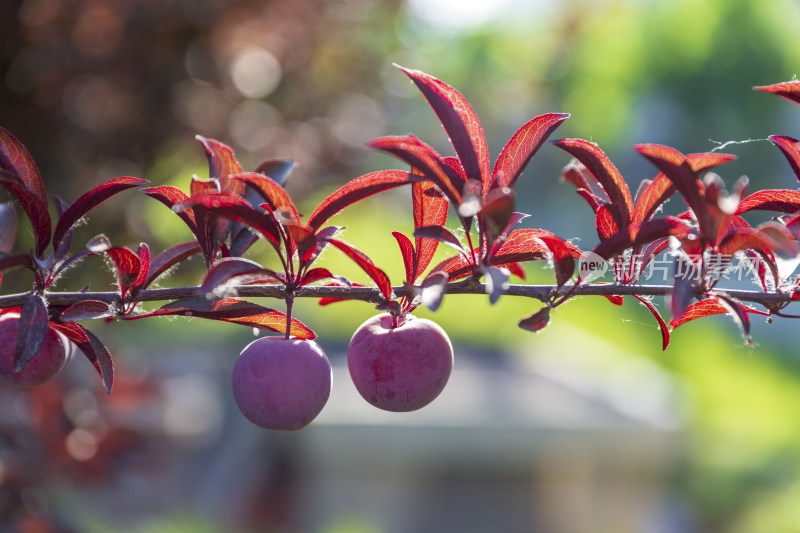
544, 293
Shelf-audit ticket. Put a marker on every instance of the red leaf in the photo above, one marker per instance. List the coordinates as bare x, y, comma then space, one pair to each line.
222, 164
13, 261
169, 258
604, 220
676, 167
321, 237
87, 201
521, 148
442, 235
537, 321
740, 316
15, 159
233, 311
661, 188
355, 190
529, 245
314, 275
424, 159
708, 307
172, 196
32, 330
459, 121
430, 209
238, 209
661, 324
408, 254
273, 193
768, 236
378, 276
787, 89
783, 200
640, 234
35, 209
606, 173
791, 150
496, 214
94, 350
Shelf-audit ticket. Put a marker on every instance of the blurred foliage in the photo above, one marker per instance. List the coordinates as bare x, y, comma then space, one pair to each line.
97, 90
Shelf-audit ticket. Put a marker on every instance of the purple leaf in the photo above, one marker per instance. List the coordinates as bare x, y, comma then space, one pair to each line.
459, 121
433, 289
87, 201
563, 261
277, 169
496, 283
442, 235
229, 272
32, 330
8, 227
35, 208
85, 310
517, 153
355, 190
686, 276
94, 350
169, 258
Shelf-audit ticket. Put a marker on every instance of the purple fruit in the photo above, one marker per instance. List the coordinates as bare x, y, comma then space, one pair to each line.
402, 366
281, 384
47, 362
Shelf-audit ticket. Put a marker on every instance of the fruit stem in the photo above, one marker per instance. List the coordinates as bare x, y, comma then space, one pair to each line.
289, 303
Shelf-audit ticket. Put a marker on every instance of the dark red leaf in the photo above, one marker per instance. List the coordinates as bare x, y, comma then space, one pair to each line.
233, 311
459, 121
604, 220
172, 196
456, 266
277, 169
430, 209
314, 275
496, 213
768, 236
641, 234
528, 245
661, 188
686, 276
791, 150
222, 164
238, 209
15, 159
433, 289
537, 321
127, 265
740, 316
376, 274
321, 237
563, 261
409, 256
14, 261
144, 267
783, 200
169, 258
708, 307
8, 227
787, 89
227, 273
521, 148
425, 159
596, 161
94, 350
85, 310
35, 209
442, 235
87, 201
661, 324
32, 330
355, 190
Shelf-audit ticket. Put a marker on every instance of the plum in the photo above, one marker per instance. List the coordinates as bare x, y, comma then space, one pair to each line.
47, 362
399, 364
281, 383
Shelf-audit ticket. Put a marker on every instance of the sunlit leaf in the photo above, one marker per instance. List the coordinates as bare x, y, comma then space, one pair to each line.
16, 159
537, 321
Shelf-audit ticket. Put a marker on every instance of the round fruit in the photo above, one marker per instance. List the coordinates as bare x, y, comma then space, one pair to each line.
402, 365
281, 383
47, 362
